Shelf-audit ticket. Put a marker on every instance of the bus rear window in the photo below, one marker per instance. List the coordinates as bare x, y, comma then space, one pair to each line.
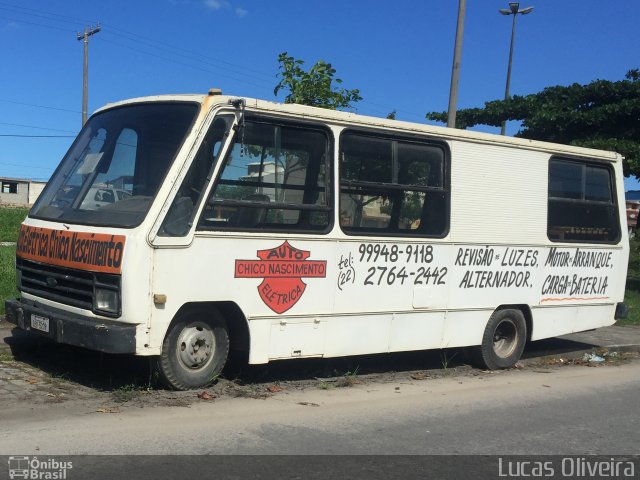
582, 207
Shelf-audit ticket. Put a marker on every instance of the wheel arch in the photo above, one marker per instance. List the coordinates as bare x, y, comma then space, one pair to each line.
526, 312
236, 321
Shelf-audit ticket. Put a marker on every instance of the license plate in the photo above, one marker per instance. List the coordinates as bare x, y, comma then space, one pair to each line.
40, 323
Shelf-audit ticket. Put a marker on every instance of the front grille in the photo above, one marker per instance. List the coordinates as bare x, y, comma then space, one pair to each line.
64, 285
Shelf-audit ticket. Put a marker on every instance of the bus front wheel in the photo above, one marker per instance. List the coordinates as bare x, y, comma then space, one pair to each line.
503, 341
194, 350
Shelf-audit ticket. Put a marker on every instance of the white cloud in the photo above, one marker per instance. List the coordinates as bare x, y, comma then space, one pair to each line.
224, 4
9, 26
217, 4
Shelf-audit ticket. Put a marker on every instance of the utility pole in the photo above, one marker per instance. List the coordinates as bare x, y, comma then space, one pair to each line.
85, 72
455, 71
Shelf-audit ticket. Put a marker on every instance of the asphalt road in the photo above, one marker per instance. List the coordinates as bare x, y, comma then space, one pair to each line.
569, 410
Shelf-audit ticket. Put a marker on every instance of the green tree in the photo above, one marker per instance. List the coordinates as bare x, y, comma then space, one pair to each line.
601, 114
316, 87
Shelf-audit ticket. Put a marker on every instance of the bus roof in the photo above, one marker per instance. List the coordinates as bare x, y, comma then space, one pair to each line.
354, 119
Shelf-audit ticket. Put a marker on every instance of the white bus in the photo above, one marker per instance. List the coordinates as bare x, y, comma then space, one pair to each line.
287, 231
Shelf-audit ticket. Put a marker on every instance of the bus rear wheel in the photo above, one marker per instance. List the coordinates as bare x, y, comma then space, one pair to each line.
503, 341
195, 350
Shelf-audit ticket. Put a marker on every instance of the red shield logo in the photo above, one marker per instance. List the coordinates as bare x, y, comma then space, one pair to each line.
281, 269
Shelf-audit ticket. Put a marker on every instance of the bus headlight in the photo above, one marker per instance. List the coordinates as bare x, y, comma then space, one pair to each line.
106, 300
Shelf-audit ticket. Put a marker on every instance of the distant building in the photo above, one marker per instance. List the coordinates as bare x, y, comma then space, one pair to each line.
632, 199
632, 195
633, 211
19, 191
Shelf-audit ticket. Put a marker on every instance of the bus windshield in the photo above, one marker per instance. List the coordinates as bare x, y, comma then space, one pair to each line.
116, 165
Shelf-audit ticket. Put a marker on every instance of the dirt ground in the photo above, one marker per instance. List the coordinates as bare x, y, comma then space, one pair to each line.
41, 374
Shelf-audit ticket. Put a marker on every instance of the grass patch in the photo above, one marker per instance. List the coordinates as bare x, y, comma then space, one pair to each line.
632, 299
126, 393
244, 391
446, 358
7, 275
349, 379
6, 357
632, 292
634, 258
10, 220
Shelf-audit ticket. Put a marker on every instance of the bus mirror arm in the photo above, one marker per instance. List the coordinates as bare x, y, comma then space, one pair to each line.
238, 102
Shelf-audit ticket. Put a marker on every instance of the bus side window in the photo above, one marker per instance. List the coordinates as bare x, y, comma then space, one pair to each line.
392, 186
273, 178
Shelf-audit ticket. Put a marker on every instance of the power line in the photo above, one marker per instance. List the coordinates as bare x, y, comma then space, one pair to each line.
37, 136
48, 107
191, 54
40, 13
25, 166
188, 55
37, 128
156, 44
178, 62
51, 27
194, 57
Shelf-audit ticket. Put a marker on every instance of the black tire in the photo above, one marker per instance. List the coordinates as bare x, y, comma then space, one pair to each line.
194, 350
503, 341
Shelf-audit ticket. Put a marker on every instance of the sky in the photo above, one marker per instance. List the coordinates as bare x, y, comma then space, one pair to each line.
398, 54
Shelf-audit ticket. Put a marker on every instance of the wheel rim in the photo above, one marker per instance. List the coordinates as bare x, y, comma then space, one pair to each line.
505, 338
196, 345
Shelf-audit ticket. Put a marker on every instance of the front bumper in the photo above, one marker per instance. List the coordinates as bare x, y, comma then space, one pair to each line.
64, 327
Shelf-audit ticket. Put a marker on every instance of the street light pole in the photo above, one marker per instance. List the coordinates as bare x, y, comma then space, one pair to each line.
455, 70
85, 71
514, 9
